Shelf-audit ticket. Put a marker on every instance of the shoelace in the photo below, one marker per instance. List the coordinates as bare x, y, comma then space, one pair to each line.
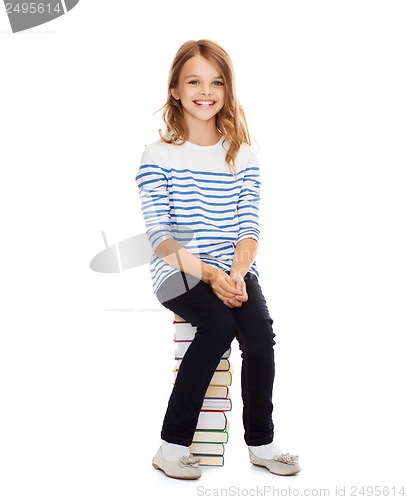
189, 461
287, 458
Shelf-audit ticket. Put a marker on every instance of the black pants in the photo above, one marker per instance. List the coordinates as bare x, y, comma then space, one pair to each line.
217, 325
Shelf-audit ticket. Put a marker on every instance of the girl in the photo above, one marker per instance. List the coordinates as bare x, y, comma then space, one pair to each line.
199, 187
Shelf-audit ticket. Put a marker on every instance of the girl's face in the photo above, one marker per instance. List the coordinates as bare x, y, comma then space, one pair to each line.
201, 90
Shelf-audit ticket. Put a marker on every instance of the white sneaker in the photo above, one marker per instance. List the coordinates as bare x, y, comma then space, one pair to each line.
184, 468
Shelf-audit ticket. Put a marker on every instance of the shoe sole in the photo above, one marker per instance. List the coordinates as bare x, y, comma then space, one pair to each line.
170, 475
276, 473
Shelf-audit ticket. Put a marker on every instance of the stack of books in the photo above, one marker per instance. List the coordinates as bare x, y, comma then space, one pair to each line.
212, 430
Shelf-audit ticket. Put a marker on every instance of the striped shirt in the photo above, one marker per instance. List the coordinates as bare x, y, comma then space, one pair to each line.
188, 193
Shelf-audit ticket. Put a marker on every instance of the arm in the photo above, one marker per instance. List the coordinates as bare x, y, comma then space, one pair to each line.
245, 253
249, 231
174, 254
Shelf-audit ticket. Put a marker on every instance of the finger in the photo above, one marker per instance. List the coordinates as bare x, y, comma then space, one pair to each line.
239, 286
244, 292
242, 298
231, 281
232, 303
227, 304
223, 290
235, 303
230, 288
224, 295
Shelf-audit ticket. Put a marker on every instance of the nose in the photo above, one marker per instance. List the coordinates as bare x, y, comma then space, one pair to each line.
206, 92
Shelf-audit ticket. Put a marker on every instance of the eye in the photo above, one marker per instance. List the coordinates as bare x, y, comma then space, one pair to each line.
193, 82
217, 83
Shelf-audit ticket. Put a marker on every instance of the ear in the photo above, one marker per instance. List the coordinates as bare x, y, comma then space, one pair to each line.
174, 93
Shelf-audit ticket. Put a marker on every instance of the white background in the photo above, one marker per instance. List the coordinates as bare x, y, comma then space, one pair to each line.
86, 358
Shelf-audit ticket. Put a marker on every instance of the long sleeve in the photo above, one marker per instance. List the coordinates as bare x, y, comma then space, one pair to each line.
249, 201
152, 181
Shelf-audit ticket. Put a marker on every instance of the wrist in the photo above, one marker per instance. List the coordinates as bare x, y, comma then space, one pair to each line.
208, 272
242, 271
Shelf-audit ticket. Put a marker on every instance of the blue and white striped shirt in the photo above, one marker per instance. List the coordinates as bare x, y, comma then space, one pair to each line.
188, 193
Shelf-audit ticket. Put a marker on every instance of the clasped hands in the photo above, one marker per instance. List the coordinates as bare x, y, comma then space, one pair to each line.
231, 290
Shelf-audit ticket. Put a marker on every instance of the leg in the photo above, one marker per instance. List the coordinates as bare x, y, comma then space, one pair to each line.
256, 340
216, 328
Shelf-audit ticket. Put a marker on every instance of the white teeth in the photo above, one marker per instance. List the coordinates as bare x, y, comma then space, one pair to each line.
205, 103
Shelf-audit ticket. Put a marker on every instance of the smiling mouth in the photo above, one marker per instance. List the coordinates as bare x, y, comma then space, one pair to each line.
205, 104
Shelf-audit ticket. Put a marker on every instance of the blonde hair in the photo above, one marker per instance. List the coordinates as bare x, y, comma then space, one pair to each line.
230, 120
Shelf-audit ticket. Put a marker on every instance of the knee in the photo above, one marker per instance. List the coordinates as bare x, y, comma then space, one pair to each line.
219, 326
260, 342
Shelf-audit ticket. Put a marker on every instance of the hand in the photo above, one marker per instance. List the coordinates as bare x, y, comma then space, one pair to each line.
238, 299
223, 285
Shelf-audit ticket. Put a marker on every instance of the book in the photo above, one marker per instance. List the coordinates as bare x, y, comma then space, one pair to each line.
221, 378
217, 404
212, 420
178, 319
181, 349
207, 448
217, 391
223, 365
210, 459
184, 332
212, 436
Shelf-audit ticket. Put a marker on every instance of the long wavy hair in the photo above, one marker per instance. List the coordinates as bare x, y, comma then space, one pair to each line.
230, 120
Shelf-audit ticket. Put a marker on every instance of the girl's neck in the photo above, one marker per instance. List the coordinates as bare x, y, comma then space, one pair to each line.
203, 134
